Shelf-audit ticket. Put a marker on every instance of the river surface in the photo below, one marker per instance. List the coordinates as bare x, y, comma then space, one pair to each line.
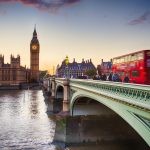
24, 123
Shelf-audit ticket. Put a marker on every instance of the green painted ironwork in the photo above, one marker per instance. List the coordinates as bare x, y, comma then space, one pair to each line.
130, 93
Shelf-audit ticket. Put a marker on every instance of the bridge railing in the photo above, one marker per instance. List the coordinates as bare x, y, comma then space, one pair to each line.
60, 80
135, 94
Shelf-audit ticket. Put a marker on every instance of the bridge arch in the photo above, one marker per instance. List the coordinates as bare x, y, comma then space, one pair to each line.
122, 110
58, 99
59, 93
88, 106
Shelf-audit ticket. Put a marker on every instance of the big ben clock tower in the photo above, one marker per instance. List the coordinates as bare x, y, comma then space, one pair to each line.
34, 57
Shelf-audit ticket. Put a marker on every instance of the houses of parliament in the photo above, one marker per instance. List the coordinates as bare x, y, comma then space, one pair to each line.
14, 73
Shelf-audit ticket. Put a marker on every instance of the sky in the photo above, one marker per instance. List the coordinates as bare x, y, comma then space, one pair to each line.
96, 29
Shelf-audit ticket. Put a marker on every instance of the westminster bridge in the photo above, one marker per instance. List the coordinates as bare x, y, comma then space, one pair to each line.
130, 101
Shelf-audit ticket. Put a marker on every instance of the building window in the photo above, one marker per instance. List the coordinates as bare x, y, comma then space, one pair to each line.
14, 74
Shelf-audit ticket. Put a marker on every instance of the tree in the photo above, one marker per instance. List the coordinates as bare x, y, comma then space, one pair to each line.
43, 74
91, 73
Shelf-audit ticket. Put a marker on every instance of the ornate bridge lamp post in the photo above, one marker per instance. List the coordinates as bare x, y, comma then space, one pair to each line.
66, 88
67, 67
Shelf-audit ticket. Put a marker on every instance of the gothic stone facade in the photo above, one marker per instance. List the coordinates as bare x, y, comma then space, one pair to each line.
74, 69
12, 73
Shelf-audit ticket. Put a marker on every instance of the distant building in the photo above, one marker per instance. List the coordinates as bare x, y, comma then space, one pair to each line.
104, 67
74, 69
13, 73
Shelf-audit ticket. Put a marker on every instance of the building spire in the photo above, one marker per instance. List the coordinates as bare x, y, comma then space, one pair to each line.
35, 33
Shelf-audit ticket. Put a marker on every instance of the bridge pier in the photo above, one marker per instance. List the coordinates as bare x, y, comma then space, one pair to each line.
66, 98
49, 83
50, 93
53, 87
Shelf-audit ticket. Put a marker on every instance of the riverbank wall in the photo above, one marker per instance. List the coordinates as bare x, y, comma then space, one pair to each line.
24, 86
9, 87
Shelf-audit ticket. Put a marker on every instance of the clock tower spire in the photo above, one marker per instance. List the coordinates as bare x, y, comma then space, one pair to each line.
34, 33
34, 57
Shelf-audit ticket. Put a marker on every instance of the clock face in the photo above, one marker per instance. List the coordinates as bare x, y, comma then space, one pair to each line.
34, 47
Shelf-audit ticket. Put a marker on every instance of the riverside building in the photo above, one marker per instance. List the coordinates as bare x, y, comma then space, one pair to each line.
14, 73
74, 69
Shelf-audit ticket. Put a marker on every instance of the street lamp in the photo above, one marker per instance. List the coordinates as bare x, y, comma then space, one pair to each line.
67, 69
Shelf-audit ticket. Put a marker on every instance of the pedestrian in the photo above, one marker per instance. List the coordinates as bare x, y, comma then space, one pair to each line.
116, 77
103, 77
126, 79
110, 77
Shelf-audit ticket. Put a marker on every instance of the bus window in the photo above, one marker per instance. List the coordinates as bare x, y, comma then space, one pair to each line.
140, 56
135, 73
121, 73
148, 53
126, 59
133, 57
122, 60
136, 56
129, 58
117, 61
114, 61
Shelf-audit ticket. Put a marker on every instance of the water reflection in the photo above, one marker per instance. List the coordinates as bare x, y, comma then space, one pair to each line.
34, 105
24, 123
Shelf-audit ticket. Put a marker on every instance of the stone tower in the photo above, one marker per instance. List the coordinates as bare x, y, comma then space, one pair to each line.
1, 60
15, 62
34, 57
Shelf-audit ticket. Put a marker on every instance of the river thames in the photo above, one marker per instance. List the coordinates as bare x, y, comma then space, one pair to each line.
24, 123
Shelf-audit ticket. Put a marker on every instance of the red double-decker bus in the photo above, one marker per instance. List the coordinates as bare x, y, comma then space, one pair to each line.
136, 65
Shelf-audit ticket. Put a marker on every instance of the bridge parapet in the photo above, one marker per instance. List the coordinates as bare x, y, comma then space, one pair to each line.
135, 94
60, 80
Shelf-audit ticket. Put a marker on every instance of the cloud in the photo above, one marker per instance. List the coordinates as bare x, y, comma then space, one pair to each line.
141, 19
44, 5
